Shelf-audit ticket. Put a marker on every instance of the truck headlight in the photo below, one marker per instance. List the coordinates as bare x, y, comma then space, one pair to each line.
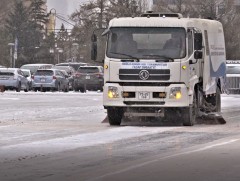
113, 92
175, 93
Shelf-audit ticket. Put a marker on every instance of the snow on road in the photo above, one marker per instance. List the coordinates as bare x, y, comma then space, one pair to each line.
75, 116
32, 118
76, 141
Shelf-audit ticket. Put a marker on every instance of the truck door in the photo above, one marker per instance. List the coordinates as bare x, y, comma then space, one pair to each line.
195, 52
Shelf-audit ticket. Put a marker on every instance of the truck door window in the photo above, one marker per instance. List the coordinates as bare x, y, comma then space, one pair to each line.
190, 43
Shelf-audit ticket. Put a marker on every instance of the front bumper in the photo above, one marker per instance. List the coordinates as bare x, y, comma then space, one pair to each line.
89, 83
152, 101
7, 83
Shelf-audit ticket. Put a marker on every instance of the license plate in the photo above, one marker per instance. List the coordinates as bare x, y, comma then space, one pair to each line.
144, 95
87, 77
43, 80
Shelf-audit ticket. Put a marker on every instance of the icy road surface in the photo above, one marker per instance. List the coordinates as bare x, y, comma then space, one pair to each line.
60, 136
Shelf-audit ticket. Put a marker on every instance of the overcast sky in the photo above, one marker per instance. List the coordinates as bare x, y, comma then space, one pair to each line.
64, 8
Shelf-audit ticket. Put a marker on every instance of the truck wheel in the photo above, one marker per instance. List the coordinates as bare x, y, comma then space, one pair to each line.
115, 116
189, 114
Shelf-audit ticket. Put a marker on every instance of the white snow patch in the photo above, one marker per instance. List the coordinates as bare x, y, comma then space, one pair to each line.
77, 141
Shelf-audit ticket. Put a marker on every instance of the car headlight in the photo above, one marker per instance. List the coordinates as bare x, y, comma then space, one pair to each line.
175, 93
113, 92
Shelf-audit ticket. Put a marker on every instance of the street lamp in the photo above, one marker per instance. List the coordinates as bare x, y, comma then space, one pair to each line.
11, 53
35, 56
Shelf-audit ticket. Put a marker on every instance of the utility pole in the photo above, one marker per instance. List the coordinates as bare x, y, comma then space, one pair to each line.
11, 53
101, 14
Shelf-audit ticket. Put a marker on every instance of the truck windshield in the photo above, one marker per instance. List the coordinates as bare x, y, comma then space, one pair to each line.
147, 43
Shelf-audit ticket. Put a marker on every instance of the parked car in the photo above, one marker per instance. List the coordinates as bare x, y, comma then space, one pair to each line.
34, 67
75, 65
69, 72
14, 79
1, 66
50, 79
27, 73
88, 77
233, 76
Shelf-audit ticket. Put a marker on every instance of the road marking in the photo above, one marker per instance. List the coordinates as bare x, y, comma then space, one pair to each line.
9, 98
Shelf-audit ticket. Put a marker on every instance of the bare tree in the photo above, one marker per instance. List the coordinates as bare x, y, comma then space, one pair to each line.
185, 7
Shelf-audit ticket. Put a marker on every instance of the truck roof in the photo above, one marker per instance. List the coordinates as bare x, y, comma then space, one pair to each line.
161, 22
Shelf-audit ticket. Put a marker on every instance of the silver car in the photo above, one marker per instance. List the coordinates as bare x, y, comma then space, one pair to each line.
69, 73
50, 79
13, 78
28, 75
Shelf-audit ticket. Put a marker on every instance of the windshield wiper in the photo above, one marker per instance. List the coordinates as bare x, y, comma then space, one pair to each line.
165, 58
130, 56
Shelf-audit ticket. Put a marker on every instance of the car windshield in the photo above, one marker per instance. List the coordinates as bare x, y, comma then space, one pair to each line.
147, 43
26, 73
44, 72
61, 67
73, 65
88, 70
233, 70
32, 68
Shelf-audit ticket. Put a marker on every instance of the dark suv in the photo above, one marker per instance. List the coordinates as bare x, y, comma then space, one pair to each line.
88, 78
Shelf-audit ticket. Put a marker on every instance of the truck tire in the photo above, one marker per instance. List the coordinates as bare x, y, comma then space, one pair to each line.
189, 114
115, 116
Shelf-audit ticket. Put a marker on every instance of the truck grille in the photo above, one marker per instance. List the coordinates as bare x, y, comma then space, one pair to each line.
154, 74
233, 82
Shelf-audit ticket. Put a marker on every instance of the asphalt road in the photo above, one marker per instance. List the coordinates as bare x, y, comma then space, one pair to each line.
60, 136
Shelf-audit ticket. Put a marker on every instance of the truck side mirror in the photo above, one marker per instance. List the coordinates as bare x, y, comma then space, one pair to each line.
198, 41
198, 54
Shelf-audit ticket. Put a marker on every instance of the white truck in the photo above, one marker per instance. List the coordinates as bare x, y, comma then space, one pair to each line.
162, 65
